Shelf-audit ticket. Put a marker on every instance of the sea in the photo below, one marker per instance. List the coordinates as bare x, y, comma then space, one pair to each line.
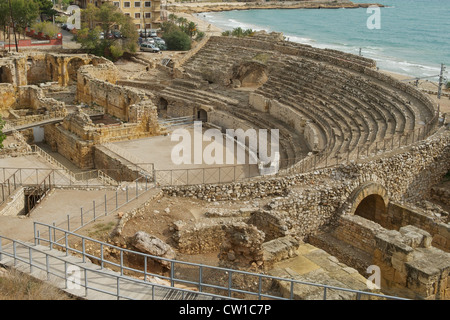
408, 37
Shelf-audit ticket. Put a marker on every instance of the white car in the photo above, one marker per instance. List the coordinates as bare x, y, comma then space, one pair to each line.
149, 47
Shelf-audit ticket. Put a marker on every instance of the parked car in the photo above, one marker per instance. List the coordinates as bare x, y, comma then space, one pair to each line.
149, 47
161, 46
101, 35
159, 40
117, 34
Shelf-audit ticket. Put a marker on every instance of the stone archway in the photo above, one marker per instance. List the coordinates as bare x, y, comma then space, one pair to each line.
72, 68
370, 201
372, 208
202, 115
5, 75
162, 106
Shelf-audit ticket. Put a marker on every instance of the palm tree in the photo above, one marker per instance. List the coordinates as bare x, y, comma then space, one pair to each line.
191, 29
172, 17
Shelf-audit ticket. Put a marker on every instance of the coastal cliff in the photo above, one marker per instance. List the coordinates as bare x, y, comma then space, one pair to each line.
197, 7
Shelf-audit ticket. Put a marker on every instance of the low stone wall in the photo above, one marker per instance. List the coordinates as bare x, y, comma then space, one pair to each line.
409, 265
401, 215
7, 96
202, 237
15, 204
77, 151
116, 167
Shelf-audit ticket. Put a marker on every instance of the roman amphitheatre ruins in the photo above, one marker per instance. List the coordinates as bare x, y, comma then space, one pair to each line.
363, 175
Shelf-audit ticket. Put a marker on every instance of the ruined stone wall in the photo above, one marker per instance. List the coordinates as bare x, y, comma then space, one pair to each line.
314, 199
7, 96
95, 86
68, 145
401, 215
32, 96
116, 167
409, 266
202, 237
37, 71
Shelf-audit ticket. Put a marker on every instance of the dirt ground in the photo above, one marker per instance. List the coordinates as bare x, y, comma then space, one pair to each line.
158, 221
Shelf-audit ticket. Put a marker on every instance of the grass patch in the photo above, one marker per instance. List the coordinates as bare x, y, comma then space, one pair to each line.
15, 285
100, 230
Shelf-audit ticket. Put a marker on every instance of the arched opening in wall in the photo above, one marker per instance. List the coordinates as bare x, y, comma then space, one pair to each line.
72, 68
162, 106
372, 208
5, 75
202, 115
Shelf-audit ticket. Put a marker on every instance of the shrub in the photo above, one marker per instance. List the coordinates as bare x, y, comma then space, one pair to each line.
177, 40
200, 36
50, 29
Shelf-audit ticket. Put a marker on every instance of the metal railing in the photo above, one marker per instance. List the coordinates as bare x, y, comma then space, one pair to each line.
39, 192
206, 279
89, 276
123, 195
9, 185
74, 177
322, 160
147, 168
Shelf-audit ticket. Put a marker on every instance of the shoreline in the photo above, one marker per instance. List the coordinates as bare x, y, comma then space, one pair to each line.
199, 7
444, 102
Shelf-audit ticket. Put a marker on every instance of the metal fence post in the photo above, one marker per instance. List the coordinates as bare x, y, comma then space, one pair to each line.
14, 252
121, 262
67, 243
50, 237
93, 204
34, 233
172, 282
200, 278
47, 266
81, 209
118, 288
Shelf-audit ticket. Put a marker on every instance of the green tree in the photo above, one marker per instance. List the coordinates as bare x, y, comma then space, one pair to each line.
19, 14
177, 40
45, 9
190, 29
105, 19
